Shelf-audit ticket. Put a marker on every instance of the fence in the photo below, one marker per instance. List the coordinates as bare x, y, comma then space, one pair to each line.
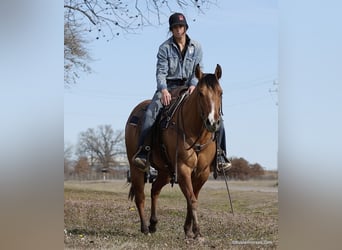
122, 174
113, 175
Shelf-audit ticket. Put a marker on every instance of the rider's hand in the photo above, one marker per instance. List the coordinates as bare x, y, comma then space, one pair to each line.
191, 89
166, 97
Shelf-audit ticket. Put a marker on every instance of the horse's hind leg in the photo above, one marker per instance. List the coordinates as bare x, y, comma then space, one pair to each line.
159, 183
138, 184
140, 203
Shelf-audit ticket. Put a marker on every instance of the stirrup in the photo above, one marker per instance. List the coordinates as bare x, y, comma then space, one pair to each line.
223, 167
223, 163
140, 158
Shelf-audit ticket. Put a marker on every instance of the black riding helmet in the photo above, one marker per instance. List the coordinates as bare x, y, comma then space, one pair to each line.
177, 19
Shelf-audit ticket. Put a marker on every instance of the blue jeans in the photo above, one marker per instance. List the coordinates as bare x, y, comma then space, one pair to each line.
153, 109
221, 137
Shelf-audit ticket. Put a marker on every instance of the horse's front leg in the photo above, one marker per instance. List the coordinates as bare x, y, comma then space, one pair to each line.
192, 211
157, 185
198, 180
188, 222
191, 221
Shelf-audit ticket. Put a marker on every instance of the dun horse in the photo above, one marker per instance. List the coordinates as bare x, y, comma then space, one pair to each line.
184, 151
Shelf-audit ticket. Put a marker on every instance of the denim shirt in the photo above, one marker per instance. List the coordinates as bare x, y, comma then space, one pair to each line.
170, 64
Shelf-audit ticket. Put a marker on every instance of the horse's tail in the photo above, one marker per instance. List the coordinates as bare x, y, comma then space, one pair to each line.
131, 193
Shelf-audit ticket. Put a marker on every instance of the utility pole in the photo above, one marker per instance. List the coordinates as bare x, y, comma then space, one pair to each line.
274, 90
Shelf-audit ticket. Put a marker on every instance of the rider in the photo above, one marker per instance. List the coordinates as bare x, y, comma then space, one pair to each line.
176, 63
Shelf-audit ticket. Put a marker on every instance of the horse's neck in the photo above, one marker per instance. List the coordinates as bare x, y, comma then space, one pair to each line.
192, 121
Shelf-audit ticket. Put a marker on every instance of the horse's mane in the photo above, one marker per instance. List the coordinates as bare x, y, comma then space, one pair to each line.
210, 80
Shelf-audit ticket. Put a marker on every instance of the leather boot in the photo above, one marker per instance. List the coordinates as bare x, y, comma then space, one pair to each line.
223, 163
140, 159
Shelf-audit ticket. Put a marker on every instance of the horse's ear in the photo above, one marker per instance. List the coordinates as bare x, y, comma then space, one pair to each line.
218, 71
198, 72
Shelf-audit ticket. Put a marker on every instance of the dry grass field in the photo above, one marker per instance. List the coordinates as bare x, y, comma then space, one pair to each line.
98, 215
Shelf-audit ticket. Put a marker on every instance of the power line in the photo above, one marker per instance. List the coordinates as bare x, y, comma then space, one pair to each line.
248, 101
246, 84
250, 98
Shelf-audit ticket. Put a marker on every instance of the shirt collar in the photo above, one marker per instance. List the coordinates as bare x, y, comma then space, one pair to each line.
187, 40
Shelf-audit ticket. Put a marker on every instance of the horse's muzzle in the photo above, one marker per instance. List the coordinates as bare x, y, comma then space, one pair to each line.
212, 127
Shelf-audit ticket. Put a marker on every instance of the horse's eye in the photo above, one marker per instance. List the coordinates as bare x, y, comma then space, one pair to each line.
201, 94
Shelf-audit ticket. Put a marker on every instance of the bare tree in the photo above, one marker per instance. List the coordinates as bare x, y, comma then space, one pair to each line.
76, 55
102, 145
67, 158
108, 19
82, 166
115, 16
243, 170
256, 170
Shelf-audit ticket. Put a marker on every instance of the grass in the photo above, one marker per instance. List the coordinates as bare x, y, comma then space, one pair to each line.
98, 215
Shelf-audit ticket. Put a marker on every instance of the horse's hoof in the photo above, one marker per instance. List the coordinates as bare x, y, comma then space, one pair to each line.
152, 229
197, 236
153, 225
189, 236
145, 230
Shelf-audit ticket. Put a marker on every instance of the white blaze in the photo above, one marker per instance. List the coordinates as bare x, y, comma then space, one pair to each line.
211, 117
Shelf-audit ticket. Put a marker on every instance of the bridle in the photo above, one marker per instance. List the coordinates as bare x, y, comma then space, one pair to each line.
195, 145
204, 118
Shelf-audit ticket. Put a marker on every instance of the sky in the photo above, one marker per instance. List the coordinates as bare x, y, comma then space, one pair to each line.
241, 36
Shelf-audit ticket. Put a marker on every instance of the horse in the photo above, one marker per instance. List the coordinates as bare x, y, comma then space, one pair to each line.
184, 151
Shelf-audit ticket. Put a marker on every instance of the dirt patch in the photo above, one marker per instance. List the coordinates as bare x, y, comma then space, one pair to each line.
98, 215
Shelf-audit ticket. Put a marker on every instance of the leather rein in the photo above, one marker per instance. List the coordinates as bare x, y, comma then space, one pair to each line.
193, 145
